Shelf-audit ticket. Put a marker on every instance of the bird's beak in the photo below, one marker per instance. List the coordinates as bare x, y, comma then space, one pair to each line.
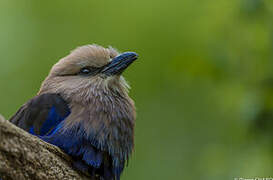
119, 63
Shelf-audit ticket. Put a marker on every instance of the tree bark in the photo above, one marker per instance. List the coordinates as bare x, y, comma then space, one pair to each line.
23, 156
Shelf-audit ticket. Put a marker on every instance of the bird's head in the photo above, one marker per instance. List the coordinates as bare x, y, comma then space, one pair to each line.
89, 71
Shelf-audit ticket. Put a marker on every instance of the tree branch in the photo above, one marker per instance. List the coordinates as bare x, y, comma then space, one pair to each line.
23, 156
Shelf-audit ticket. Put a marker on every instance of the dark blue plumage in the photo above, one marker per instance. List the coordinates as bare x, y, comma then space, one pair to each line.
51, 122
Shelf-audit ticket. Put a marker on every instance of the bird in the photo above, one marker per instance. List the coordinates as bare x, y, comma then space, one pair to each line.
83, 107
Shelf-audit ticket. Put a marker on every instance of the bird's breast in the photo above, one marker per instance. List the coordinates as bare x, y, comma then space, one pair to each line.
108, 124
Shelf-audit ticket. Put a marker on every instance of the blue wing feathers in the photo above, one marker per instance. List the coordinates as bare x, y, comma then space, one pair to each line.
41, 114
53, 119
74, 144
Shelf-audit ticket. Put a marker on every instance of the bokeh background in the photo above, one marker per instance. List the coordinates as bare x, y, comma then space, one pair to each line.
203, 84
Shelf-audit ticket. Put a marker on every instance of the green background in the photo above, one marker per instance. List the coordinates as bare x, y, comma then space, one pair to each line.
203, 85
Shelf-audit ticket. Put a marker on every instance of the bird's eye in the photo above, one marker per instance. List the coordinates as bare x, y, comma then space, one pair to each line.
85, 70
89, 71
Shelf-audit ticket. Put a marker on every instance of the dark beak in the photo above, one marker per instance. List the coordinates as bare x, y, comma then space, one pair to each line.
119, 63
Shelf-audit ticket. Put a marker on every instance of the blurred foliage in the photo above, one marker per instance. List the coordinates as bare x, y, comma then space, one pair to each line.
203, 85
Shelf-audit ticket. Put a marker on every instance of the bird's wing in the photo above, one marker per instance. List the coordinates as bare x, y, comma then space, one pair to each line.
44, 116
41, 115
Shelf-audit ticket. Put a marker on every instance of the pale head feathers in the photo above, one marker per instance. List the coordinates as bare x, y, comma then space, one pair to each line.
63, 76
89, 55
